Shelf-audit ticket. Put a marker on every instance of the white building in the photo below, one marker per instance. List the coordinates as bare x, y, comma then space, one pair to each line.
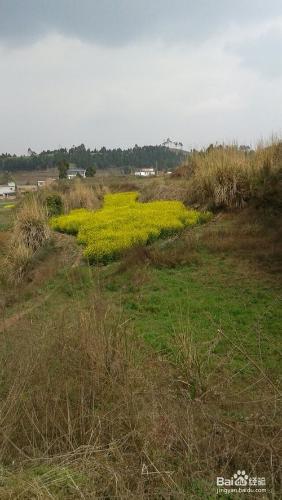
145, 172
45, 182
8, 190
74, 172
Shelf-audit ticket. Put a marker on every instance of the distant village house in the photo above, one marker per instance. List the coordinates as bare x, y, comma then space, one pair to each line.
8, 190
76, 172
45, 182
145, 172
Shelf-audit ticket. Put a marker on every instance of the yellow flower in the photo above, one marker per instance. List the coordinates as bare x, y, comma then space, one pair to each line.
123, 222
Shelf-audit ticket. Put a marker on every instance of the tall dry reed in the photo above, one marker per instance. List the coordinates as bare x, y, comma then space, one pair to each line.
229, 177
80, 196
30, 233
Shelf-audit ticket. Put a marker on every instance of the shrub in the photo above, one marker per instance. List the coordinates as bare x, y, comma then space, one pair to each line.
90, 171
124, 223
54, 204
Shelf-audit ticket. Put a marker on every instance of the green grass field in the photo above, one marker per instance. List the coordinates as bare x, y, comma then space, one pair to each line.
6, 211
213, 297
205, 298
204, 314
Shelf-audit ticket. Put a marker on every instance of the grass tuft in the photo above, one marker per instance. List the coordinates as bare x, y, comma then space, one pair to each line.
30, 232
80, 196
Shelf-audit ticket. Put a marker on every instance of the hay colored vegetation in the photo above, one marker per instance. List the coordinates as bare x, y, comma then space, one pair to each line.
123, 223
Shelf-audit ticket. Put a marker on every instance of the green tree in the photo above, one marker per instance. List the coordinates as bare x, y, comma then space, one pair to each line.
126, 170
90, 171
63, 167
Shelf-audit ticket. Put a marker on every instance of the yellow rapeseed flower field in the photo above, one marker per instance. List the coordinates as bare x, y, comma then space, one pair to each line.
9, 205
123, 222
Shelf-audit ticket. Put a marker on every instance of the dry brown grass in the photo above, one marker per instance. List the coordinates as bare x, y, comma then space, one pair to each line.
117, 185
87, 411
82, 196
227, 177
250, 235
164, 189
30, 226
177, 251
29, 234
79, 400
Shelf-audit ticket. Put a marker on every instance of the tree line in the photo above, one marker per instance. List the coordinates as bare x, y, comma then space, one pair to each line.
160, 157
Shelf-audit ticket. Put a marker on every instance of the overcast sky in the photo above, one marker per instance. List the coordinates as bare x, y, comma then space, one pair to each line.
120, 72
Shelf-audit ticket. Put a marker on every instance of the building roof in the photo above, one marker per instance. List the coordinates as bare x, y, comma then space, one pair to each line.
145, 169
10, 183
73, 170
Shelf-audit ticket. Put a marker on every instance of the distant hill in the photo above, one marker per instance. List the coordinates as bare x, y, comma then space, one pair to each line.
162, 157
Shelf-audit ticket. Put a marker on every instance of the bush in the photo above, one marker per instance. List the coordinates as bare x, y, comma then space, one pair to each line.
54, 204
90, 171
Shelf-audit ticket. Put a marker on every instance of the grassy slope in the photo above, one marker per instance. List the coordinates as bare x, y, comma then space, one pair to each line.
5, 214
206, 297
217, 295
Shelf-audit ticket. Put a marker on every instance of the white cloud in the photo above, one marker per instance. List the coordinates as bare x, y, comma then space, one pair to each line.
61, 91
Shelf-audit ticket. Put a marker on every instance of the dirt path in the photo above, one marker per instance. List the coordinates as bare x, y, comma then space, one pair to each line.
6, 323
